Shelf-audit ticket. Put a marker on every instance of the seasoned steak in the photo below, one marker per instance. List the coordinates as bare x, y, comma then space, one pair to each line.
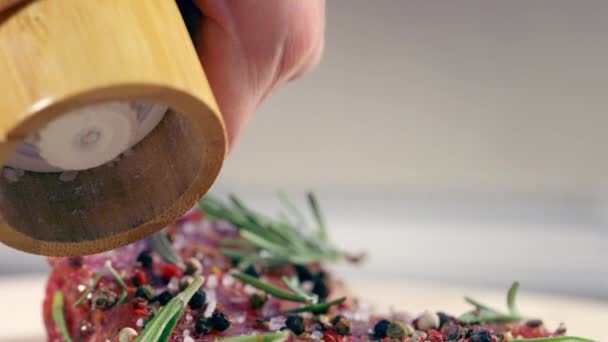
227, 306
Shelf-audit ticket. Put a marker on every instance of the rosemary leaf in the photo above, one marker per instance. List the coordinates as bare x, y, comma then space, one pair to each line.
294, 285
107, 266
59, 317
554, 339
291, 208
511, 299
268, 337
314, 206
317, 308
270, 289
162, 246
165, 320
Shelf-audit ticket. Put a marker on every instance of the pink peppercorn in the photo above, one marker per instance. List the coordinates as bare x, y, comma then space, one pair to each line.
170, 271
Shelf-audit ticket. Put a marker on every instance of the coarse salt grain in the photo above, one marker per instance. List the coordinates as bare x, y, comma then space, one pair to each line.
227, 280
140, 322
186, 332
188, 317
81, 288
240, 318
248, 289
276, 323
188, 339
211, 281
317, 335
211, 303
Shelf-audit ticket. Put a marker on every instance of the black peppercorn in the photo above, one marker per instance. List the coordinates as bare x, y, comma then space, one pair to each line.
295, 324
444, 318
342, 326
257, 301
320, 287
164, 297
381, 328
252, 271
219, 321
145, 291
303, 273
145, 259
197, 301
480, 335
202, 325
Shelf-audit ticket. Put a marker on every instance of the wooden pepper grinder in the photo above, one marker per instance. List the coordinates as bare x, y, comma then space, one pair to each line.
108, 127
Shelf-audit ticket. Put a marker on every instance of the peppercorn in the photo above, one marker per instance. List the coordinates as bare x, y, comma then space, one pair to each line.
453, 331
197, 301
219, 321
295, 324
444, 318
145, 291
381, 328
139, 278
342, 326
395, 331
320, 287
169, 271
104, 298
202, 325
164, 297
145, 259
534, 323
303, 273
252, 271
257, 301
480, 335
193, 266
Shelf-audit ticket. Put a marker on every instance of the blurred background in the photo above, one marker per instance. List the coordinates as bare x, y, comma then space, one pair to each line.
455, 142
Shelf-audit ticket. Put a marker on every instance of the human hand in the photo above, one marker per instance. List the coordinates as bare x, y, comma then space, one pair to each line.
249, 47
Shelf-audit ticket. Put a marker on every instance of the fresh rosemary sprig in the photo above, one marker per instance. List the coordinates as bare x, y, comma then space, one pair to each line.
554, 339
106, 267
160, 243
268, 337
59, 317
271, 289
317, 308
485, 314
166, 319
274, 242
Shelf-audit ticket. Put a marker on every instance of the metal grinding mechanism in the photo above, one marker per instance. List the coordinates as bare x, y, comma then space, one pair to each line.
108, 127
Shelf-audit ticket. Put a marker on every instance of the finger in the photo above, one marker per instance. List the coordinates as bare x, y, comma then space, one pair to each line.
249, 47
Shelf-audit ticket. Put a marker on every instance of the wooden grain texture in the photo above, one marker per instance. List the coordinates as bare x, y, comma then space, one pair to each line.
58, 55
